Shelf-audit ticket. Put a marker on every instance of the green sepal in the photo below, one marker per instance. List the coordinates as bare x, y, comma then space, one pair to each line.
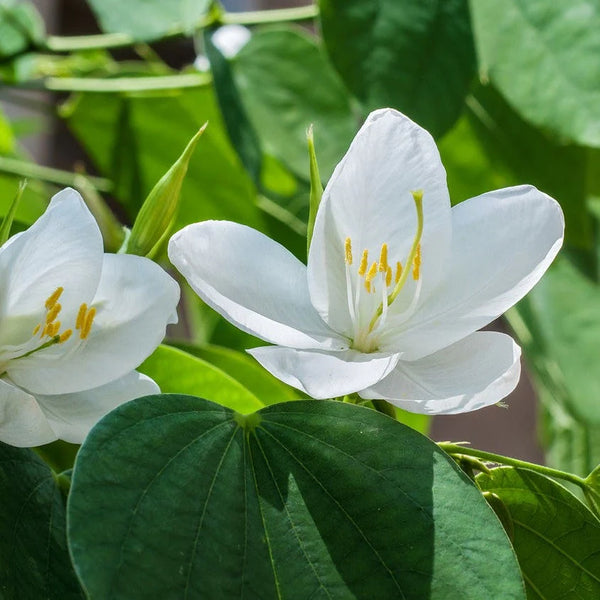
159, 210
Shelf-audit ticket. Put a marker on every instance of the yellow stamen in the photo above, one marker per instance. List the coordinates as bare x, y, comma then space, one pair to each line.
65, 335
388, 277
348, 251
398, 272
362, 269
383, 263
53, 298
81, 316
87, 325
368, 286
55, 328
417, 263
36, 329
53, 313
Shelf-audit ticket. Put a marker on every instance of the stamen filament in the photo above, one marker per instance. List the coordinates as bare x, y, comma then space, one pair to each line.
418, 198
415, 248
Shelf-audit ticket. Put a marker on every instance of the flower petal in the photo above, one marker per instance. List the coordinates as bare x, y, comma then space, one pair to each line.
71, 416
369, 200
325, 374
135, 301
22, 422
63, 248
478, 371
252, 281
502, 243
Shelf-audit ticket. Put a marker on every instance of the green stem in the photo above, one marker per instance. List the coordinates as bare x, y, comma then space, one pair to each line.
21, 168
456, 449
120, 84
118, 40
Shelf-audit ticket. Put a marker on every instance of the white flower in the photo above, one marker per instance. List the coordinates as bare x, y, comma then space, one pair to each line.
74, 323
397, 282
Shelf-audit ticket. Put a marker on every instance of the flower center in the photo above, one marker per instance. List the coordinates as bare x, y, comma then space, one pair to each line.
374, 288
49, 331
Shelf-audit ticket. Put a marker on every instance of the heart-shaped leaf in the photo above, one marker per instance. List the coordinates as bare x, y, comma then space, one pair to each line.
177, 497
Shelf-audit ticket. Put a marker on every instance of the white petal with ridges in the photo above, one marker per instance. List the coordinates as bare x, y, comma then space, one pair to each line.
252, 281
502, 243
369, 200
22, 421
324, 374
135, 301
71, 416
475, 372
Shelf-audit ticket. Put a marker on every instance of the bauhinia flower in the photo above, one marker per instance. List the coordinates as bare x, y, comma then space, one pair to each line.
397, 283
74, 324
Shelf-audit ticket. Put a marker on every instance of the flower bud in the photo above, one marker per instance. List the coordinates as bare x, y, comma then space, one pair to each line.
158, 212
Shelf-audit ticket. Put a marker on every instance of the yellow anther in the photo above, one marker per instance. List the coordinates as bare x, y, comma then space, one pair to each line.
388, 277
364, 261
53, 298
417, 263
383, 263
51, 329
370, 276
398, 272
372, 272
53, 313
65, 335
81, 316
348, 250
36, 329
87, 324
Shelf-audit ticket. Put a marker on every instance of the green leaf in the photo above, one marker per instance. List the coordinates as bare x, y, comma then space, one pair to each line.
556, 538
241, 133
532, 157
121, 132
247, 371
34, 559
544, 57
20, 26
564, 312
309, 499
411, 55
177, 371
148, 19
286, 84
